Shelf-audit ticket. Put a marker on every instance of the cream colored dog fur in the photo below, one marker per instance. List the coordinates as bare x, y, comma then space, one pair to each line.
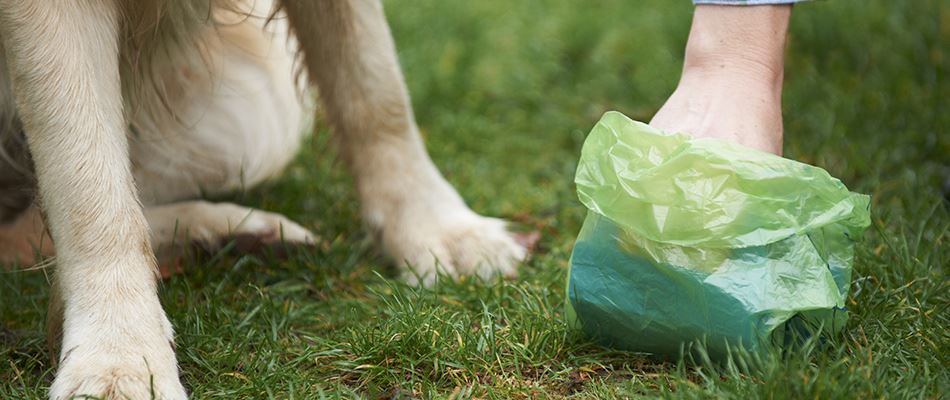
125, 103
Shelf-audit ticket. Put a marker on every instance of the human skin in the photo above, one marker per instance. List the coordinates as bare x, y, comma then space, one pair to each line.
731, 84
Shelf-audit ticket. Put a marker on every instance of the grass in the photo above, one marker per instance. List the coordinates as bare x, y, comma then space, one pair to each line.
505, 93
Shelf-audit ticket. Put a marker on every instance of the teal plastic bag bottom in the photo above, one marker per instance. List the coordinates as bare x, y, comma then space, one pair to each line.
755, 301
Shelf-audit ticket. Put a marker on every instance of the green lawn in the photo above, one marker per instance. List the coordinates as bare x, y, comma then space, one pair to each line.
505, 92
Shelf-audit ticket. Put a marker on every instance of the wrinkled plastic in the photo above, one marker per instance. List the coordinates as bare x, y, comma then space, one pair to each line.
706, 240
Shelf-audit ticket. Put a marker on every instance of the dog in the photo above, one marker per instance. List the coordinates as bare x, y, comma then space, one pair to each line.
118, 116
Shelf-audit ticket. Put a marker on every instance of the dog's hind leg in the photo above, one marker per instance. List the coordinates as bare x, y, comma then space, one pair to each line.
423, 223
175, 229
238, 123
179, 226
63, 59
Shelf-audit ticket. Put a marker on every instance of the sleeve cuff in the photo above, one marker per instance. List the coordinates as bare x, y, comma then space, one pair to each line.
745, 2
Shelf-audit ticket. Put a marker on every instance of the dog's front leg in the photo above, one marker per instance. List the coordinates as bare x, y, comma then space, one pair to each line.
63, 60
423, 222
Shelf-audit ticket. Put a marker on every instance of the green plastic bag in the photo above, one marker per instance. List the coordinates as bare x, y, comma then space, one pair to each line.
706, 240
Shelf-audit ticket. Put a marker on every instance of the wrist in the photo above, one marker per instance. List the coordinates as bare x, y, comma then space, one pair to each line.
738, 43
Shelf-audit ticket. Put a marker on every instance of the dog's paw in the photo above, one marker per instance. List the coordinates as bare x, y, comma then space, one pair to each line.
453, 244
115, 382
214, 223
121, 368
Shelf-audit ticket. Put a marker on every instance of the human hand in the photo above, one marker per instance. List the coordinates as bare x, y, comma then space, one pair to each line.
731, 84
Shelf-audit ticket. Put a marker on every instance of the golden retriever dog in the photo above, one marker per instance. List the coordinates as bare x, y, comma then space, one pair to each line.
116, 116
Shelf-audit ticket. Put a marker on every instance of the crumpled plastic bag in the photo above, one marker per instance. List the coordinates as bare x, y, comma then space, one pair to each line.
706, 240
